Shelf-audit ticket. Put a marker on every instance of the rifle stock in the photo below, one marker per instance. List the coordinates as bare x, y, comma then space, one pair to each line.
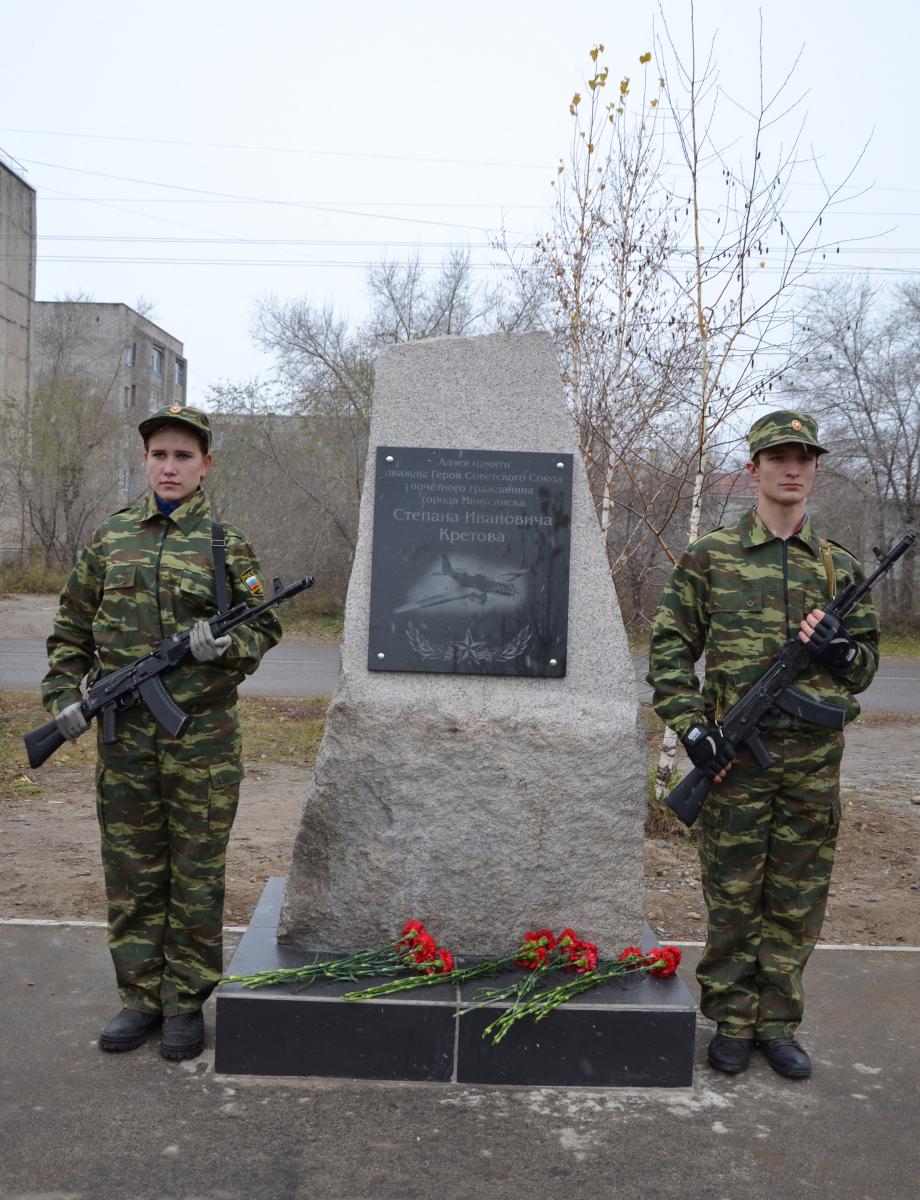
686, 800
42, 742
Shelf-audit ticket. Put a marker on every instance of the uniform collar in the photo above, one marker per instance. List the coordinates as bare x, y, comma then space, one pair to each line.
755, 533
187, 516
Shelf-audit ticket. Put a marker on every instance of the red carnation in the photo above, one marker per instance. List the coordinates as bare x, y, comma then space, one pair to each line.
441, 964
537, 946
567, 938
629, 953
588, 955
544, 937
668, 960
582, 957
424, 948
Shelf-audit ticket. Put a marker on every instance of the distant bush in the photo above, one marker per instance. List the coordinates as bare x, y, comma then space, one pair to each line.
33, 576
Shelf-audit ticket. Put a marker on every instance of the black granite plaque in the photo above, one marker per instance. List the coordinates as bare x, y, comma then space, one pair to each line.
470, 564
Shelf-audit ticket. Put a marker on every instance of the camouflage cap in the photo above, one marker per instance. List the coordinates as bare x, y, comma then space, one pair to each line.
779, 428
177, 414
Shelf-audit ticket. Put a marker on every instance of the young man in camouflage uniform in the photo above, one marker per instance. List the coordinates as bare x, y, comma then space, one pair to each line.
766, 837
165, 805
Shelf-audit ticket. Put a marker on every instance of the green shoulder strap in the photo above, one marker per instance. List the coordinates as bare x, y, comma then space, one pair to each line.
828, 567
218, 546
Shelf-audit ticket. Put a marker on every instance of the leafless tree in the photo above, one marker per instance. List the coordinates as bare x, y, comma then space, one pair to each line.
307, 430
57, 450
863, 383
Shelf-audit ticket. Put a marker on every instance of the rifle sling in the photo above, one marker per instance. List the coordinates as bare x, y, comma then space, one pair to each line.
218, 547
828, 568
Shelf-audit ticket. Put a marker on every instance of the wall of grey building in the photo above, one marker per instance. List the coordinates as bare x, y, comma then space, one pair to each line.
17, 290
130, 365
17, 280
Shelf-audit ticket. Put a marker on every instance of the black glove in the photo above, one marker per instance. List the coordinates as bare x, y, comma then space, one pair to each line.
831, 644
709, 749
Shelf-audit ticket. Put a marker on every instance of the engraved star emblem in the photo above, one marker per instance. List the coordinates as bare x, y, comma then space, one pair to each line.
470, 650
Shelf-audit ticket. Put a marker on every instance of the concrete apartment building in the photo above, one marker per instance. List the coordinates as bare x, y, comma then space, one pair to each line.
79, 363
17, 288
17, 281
117, 360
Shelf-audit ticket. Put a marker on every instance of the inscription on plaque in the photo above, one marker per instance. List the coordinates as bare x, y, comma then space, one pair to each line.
470, 562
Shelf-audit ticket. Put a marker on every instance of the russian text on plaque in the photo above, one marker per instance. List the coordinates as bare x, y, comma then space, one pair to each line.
470, 562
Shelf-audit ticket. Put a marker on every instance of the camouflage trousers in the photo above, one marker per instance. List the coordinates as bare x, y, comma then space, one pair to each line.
766, 844
165, 807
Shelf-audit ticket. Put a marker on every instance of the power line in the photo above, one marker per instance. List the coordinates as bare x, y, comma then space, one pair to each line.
423, 245
453, 162
178, 187
837, 212
829, 268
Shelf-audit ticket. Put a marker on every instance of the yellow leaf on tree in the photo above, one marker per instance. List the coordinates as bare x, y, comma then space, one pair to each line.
653, 103
646, 57
624, 86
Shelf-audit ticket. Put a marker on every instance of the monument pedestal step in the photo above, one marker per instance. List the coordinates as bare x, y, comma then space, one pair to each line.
635, 1033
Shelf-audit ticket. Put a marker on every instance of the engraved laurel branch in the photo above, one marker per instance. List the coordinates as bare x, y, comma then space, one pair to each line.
468, 649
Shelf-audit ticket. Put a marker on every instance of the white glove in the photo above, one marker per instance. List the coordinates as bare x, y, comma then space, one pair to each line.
205, 647
71, 721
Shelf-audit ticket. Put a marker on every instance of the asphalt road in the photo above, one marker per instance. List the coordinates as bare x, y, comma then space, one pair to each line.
290, 669
311, 669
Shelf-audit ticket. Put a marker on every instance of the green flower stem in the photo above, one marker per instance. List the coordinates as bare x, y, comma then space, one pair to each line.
457, 976
542, 1004
385, 960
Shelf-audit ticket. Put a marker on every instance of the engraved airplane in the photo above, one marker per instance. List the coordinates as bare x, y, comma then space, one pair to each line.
475, 587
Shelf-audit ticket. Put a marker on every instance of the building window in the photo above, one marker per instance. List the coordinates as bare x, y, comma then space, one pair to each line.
156, 361
180, 373
130, 354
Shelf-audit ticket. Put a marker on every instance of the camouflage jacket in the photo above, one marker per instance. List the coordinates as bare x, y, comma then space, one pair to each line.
736, 595
142, 577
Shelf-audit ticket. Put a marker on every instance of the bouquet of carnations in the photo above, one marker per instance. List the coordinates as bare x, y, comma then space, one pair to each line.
554, 969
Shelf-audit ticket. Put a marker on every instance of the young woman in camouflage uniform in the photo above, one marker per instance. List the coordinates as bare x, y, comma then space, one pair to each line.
165, 805
766, 837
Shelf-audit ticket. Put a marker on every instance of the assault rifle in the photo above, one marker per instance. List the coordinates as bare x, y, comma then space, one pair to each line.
773, 690
140, 681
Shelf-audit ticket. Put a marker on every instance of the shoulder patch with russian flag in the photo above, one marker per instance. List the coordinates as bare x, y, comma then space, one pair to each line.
252, 583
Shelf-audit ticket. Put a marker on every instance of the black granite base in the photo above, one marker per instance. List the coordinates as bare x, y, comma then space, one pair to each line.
634, 1033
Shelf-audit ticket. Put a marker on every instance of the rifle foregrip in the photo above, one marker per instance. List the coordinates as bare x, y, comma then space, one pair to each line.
41, 743
687, 798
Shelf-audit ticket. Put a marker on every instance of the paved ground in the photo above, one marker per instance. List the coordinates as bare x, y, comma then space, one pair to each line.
289, 669
81, 1125
311, 669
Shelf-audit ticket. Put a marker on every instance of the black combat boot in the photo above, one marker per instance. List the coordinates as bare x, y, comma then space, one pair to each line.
183, 1036
785, 1056
728, 1054
128, 1030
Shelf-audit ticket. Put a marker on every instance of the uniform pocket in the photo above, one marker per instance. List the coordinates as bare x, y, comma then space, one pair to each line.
223, 797
100, 801
117, 612
195, 597
739, 623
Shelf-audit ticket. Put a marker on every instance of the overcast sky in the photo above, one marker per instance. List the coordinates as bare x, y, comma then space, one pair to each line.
204, 154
